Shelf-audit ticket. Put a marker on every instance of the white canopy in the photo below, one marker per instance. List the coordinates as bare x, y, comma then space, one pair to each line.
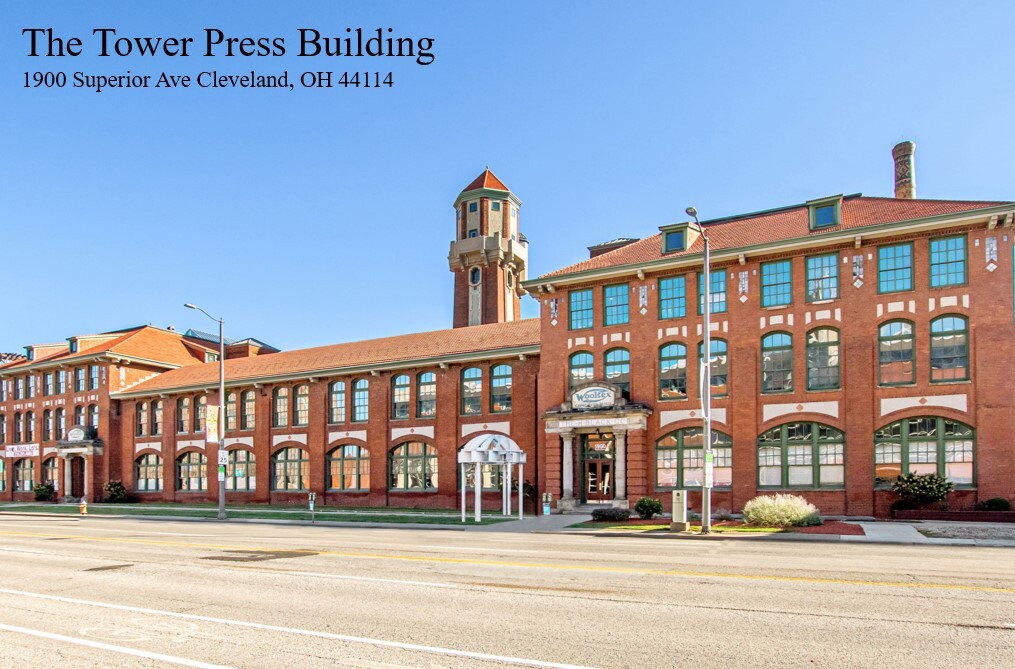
491, 449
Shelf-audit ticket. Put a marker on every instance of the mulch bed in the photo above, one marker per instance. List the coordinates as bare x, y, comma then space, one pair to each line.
831, 527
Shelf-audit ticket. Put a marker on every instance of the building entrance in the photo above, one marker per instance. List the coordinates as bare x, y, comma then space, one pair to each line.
77, 477
597, 467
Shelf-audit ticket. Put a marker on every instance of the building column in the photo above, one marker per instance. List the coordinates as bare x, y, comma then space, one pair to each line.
620, 446
567, 464
67, 480
86, 463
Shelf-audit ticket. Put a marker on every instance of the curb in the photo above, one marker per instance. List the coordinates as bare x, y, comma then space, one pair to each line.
255, 521
789, 536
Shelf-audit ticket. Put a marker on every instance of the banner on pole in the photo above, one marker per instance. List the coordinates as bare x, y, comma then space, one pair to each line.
211, 424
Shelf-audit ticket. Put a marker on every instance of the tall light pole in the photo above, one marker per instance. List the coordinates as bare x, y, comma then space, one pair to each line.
222, 408
706, 384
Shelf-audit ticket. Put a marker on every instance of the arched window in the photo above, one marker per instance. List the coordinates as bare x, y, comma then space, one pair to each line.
200, 411
93, 416
156, 418
141, 419
191, 472
3, 474
51, 472
776, 363
925, 445
290, 469
336, 402
472, 391
348, 468
47, 425
24, 475
248, 410
182, 414
895, 353
59, 424
618, 369
30, 425
500, 389
301, 405
3, 426
805, 455
680, 459
580, 368
400, 397
241, 470
231, 412
720, 366
148, 473
823, 359
673, 372
474, 276
360, 401
280, 407
426, 395
949, 349
19, 428
412, 466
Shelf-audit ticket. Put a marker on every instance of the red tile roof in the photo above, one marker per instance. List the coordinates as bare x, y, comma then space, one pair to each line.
775, 226
486, 180
404, 348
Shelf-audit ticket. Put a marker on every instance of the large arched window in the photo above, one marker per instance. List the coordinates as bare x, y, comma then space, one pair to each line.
580, 368
24, 475
360, 401
141, 419
673, 372
400, 386
348, 468
156, 418
231, 412
472, 391
823, 359
30, 425
925, 445
949, 349
805, 455
280, 407
777, 363
680, 459
618, 369
241, 471
895, 353
500, 389
59, 424
290, 469
336, 402
413, 466
182, 414
248, 410
301, 405
191, 472
51, 472
720, 366
148, 473
426, 395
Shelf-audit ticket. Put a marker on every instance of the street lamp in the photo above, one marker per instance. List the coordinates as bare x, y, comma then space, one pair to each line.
706, 383
222, 409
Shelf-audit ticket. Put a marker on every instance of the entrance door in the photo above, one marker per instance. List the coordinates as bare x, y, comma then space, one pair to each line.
598, 480
77, 477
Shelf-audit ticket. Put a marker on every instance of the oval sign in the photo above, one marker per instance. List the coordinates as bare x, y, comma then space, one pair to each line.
76, 434
593, 397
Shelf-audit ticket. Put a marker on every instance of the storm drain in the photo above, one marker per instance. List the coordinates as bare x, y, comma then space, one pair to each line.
257, 556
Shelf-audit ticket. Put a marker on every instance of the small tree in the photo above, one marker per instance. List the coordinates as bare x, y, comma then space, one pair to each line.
648, 507
921, 489
44, 492
117, 493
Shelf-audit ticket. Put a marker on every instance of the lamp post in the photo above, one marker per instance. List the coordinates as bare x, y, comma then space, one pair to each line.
706, 383
222, 408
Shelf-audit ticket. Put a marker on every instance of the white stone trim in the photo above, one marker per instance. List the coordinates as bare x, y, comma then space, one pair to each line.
426, 431
237, 441
348, 434
192, 443
154, 445
277, 439
675, 416
770, 411
472, 428
957, 402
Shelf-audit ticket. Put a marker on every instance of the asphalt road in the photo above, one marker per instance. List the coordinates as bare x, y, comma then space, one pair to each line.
134, 593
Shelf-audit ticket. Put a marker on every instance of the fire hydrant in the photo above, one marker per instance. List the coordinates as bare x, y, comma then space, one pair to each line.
83, 507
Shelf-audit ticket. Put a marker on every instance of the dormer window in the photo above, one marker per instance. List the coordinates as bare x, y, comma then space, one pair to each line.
211, 357
73, 345
30, 354
674, 241
677, 237
825, 213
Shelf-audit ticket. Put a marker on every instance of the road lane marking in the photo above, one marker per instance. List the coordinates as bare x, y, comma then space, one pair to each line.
436, 650
500, 564
342, 577
116, 649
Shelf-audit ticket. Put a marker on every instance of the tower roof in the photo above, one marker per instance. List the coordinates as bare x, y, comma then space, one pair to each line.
486, 180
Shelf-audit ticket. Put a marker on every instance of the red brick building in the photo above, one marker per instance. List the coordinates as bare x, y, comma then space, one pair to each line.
853, 338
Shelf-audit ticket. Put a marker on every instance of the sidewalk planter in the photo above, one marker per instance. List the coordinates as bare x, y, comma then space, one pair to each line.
960, 516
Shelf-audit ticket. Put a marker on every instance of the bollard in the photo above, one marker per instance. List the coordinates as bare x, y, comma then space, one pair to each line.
83, 507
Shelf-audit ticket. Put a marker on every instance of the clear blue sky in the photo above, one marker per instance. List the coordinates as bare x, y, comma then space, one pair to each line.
315, 217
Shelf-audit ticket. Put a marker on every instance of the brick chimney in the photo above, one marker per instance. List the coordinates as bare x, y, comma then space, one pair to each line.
905, 173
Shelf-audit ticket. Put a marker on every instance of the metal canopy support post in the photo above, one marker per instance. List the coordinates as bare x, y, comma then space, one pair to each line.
521, 478
507, 508
463, 492
477, 487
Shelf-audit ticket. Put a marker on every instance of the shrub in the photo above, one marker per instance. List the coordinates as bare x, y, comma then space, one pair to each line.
922, 488
781, 511
610, 514
44, 492
722, 514
995, 504
648, 507
117, 493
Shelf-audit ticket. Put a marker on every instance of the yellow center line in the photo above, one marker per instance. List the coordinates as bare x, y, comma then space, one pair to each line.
528, 565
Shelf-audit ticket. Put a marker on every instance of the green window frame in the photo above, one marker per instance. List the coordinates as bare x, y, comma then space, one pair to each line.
360, 401
823, 360
231, 412
93, 377
79, 379
30, 426
948, 261
19, 427
280, 407
615, 304
191, 472
301, 405
336, 402
61, 382
802, 455
47, 384
93, 416
426, 395
400, 393
680, 460
717, 295
823, 277
618, 369
248, 410
3, 429
3, 475
672, 297
895, 268
290, 469
776, 283
579, 309
59, 423
673, 372
156, 416
348, 468
777, 363
925, 445
719, 359
949, 349
51, 472
472, 391
24, 475
200, 412
500, 389
141, 419
580, 368
47, 425
148, 473
79, 414
896, 353
241, 470
412, 467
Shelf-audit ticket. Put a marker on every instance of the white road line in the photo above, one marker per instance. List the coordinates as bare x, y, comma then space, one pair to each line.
172, 659
437, 650
427, 584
